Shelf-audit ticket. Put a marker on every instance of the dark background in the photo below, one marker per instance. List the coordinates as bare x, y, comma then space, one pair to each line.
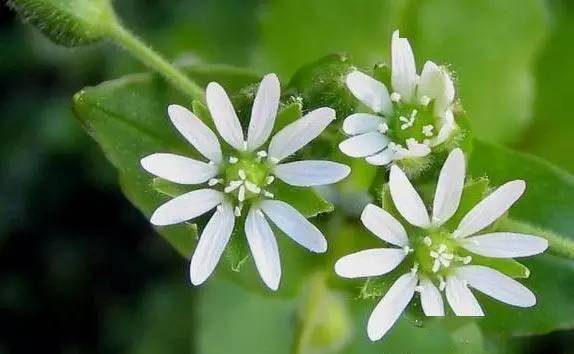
81, 271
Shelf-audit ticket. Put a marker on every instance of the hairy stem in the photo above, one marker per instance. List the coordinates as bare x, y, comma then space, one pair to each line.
557, 244
155, 61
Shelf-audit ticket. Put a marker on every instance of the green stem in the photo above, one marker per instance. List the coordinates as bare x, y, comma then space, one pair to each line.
557, 244
310, 311
155, 61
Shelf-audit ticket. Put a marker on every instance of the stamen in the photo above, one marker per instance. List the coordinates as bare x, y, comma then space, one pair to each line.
425, 100
427, 241
233, 185
252, 187
383, 128
237, 210
467, 260
241, 194
407, 250
268, 194
233, 160
441, 248
262, 153
436, 265
242, 174
212, 182
395, 97
269, 180
273, 159
428, 130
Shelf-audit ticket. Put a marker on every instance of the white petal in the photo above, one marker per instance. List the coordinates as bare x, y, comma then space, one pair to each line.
263, 248
413, 150
292, 223
212, 242
370, 92
186, 207
299, 133
224, 116
364, 144
369, 263
407, 200
505, 245
388, 310
263, 112
360, 123
431, 299
490, 208
179, 169
196, 132
449, 187
497, 285
403, 69
311, 172
436, 83
448, 126
382, 158
461, 299
384, 225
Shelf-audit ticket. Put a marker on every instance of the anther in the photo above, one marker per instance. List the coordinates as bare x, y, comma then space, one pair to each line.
268, 194
212, 182
427, 241
395, 97
428, 130
269, 180
425, 100
252, 187
233, 159
241, 194
242, 174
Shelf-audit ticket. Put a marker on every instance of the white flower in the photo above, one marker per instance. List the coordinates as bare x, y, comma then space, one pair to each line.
243, 179
408, 122
440, 256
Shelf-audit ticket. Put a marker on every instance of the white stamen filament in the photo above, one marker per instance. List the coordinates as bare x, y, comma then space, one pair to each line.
241, 193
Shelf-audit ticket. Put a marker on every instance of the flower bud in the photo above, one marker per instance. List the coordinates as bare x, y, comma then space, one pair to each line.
68, 22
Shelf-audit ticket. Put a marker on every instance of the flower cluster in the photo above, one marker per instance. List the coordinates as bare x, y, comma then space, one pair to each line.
407, 122
238, 181
440, 258
243, 179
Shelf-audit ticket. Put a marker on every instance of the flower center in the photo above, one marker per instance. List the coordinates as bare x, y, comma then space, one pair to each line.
246, 178
411, 121
436, 254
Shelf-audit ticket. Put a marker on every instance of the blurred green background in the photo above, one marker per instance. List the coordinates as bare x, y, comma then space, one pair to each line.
80, 269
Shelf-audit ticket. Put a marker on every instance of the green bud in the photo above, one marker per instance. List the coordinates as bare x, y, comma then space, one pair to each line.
68, 22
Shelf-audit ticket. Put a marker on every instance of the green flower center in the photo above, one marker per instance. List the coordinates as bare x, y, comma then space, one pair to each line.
246, 178
411, 121
436, 253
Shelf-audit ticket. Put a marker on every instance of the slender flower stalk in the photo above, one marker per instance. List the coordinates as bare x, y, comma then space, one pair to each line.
441, 259
240, 183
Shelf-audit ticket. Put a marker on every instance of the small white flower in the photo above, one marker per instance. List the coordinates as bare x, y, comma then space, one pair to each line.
241, 180
435, 251
411, 123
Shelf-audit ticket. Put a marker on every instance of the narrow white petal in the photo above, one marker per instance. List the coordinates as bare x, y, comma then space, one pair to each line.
179, 169
431, 81
370, 92
294, 225
360, 123
497, 285
431, 299
461, 299
369, 263
448, 126
263, 112
186, 207
403, 69
449, 187
299, 133
196, 132
311, 172
212, 242
263, 247
490, 208
364, 145
382, 158
224, 116
384, 225
505, 245
407, 200
391, 306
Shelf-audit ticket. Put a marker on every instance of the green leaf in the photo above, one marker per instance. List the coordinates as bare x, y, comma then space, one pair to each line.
128, 119
548, 203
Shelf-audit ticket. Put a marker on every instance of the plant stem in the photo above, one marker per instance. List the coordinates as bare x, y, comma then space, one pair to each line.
557, 244
311, 311
155, 61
